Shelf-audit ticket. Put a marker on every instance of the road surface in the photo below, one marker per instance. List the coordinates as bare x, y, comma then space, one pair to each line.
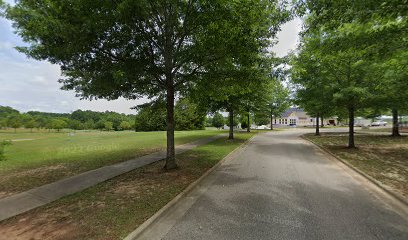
282, 187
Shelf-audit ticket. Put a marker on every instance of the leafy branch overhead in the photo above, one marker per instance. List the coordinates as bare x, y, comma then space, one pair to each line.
153, 48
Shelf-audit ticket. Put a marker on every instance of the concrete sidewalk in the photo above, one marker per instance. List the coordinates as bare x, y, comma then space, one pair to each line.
36, 197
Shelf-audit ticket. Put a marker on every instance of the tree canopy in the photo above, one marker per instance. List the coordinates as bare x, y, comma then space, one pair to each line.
350, 57
153, 48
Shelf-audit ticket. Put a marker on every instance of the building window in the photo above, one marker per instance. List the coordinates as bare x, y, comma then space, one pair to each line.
292, 121
286, 121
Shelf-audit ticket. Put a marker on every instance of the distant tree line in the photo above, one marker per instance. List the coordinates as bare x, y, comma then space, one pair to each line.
77, 120
149, 117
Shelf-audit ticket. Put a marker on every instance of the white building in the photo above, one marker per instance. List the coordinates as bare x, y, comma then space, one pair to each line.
298, 117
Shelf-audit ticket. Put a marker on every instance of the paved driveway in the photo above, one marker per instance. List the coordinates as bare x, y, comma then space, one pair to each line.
281, 187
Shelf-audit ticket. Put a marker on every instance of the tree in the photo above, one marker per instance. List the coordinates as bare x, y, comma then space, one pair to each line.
256, 102
188, 115
14, 121
40, 121
393, 92
75, 124
278, 101
8, 115
218, 120
89, 124
6, 111
125, 125
245, 120
236, 86
30, 123
100, 124
111, 49
58, 124
108, 126
3, 123
342, 36
314, 92
151, 116
208, 121
261, 118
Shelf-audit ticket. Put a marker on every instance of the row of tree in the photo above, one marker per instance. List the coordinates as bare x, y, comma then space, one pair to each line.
77, 120
213, 52
353, 57
150, 117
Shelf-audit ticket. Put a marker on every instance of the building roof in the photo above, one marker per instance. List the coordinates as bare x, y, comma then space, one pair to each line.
299, 112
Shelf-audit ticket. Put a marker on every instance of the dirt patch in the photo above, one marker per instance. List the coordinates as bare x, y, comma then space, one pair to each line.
36, 171
22, 139
17, 182
38, 228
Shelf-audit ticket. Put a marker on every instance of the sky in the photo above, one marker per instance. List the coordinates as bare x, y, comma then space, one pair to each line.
30, 85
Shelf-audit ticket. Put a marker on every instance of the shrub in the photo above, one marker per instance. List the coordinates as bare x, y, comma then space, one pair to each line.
3, 145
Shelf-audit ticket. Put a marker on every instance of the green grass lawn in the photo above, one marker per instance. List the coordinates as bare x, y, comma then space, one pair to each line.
381, 129
37, 158
113, 209
382, 157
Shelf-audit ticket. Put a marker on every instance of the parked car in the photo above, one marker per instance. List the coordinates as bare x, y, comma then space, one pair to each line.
378, 123
263, 127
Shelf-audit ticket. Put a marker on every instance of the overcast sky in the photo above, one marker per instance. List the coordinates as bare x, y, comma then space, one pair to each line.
27, 84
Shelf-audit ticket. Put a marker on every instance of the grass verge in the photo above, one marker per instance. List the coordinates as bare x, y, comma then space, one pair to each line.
382, 129
382, 157
41, 158
113, 209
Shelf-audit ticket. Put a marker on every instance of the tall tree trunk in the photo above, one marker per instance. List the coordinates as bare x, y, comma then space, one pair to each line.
317, 126
249, 124
271, 119
168, 54
231, 124
170, 155
395, 124
322, 122
351, 128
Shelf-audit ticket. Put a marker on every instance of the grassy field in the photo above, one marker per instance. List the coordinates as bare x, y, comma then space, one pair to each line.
113, 209
381, 129
38, 158
382, 157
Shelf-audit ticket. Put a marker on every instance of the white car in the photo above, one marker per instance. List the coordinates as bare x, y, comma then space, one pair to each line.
378, 123
263, 127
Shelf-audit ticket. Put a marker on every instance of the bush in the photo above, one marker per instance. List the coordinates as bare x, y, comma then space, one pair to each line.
218, 120
108, 126
3, 145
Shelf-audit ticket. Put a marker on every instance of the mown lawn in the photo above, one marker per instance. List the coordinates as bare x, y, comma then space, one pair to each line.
113, 209
382, 129
34, 159
382, 157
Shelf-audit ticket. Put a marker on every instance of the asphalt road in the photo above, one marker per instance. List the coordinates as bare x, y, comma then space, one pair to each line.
281, 187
